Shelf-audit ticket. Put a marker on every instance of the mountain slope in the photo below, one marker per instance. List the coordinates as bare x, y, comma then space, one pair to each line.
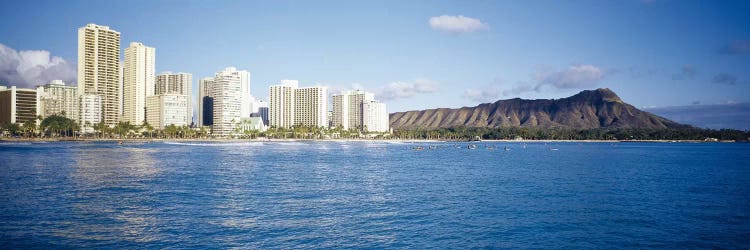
600, 108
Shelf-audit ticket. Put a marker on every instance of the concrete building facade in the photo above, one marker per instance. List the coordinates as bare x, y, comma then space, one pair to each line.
58, 99
90, 112
230, 100
138, 81
18, 105
347, 108
311, 107
177, 83
99, 68
167, 109
375, 117
205, 102
281, 104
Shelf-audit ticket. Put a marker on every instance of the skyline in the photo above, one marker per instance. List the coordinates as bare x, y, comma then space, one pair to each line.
652, 53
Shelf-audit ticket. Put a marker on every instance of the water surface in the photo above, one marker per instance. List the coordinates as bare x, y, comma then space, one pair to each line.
374, 195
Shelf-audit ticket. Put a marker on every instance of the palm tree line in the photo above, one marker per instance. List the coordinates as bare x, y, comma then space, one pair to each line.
59, 126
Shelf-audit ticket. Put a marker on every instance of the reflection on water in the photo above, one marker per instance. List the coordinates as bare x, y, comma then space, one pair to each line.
111, 191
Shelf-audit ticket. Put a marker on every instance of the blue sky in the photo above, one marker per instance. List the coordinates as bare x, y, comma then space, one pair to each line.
652, 53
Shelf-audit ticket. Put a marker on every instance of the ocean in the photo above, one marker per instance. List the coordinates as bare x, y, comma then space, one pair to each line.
376, 195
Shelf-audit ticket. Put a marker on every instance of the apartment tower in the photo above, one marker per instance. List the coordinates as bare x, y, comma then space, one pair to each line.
347, 108
99, 68
179, 83
310, 107
281, 104
138, 81
231, 99
205, 102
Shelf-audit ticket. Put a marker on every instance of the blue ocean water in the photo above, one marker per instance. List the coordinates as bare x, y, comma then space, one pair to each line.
374, 195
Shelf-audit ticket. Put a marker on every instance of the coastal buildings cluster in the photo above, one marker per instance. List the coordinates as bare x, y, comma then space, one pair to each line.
111, 91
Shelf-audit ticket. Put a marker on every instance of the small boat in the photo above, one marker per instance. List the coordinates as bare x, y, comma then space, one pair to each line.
507, 149
472, 146
418, 148
552, 149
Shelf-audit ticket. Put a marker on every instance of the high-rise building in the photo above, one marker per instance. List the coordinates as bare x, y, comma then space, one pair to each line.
281, 104
138, 81
340, 112
231, 99
99, 68
179, 83
18, 105
90, 112
374, 117
58, 99
310, 107
205, 102
347, 108
167, 109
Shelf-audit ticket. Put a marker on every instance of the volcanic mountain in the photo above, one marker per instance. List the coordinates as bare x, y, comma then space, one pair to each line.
600, 108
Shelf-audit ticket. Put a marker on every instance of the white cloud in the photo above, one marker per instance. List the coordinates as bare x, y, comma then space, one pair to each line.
576, 76
523, 88
28, 68
486, 94
399, 90
457, 24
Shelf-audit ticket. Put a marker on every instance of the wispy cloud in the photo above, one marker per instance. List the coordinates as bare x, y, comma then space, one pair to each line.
687, 72
725, 78
485, 94
28, 68
457, 24
579, 76
576, 76
399, 90
736, 47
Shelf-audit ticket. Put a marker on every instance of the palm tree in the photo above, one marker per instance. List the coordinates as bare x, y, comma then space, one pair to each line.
28, 127
148, 128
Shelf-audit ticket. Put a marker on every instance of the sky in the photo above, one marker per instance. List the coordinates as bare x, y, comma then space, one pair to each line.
413, 54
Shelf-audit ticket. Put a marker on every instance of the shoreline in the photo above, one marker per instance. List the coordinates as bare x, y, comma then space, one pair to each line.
6, 140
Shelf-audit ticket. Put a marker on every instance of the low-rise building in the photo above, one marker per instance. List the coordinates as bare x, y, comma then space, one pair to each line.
167, 109
90, 112
18, 105
58, 99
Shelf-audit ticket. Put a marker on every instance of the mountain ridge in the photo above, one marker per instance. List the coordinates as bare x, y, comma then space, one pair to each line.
589, 109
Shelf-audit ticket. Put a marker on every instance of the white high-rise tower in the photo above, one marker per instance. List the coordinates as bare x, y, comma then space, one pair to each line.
231, 99
347, 108
281, 104
99, 68
138, 81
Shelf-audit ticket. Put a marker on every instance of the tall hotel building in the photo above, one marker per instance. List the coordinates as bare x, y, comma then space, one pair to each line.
290, 105
205, 102
310, 107
374, 117
99, 68
58, 99
138, 81
231, 99
347, 108
179, 83
281, 104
